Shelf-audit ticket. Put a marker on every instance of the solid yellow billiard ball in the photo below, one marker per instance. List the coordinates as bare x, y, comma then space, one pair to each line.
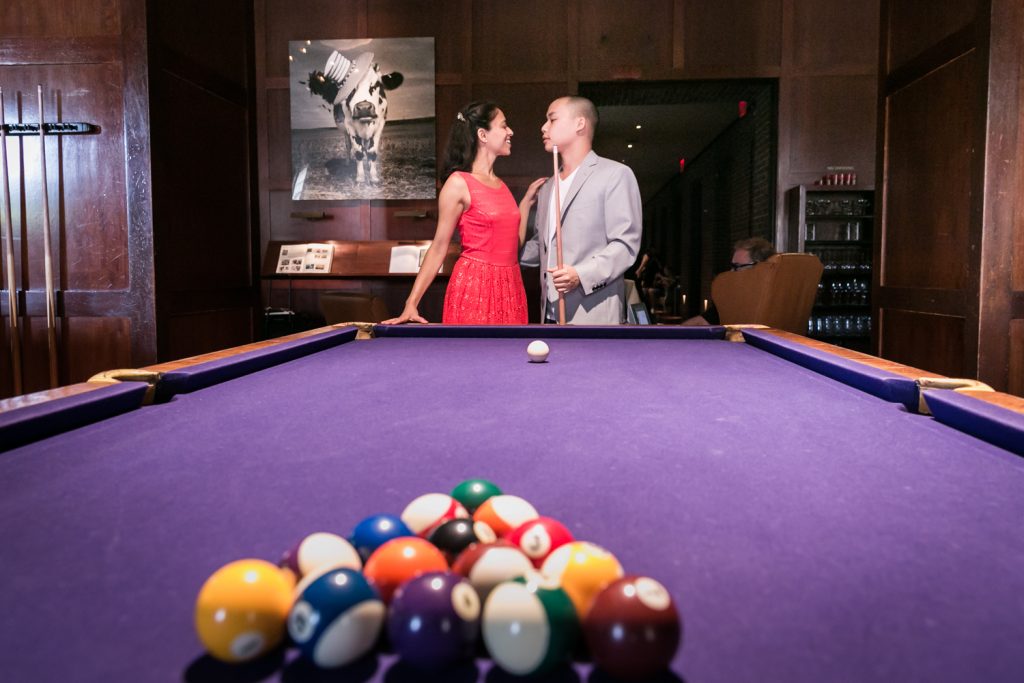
242, 609
537, 351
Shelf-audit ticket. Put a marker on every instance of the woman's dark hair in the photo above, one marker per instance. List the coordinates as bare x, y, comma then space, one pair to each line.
462, 141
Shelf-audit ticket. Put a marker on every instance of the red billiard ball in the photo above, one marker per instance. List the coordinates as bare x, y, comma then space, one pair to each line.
633, 628
539, 537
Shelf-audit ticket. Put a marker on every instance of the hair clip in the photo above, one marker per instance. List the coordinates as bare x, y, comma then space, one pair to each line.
460, 117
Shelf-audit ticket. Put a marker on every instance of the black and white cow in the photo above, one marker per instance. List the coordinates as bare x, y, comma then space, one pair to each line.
356, 93
362, 115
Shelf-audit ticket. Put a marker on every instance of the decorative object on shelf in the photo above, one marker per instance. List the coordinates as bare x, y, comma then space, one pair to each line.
837, 175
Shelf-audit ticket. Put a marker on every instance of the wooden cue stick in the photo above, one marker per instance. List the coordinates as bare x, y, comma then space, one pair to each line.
558, 231
12, 292
51, 322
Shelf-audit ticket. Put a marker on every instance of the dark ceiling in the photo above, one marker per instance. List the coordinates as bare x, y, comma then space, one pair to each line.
666, 134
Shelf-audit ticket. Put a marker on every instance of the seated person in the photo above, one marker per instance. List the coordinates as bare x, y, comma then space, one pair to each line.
746, 254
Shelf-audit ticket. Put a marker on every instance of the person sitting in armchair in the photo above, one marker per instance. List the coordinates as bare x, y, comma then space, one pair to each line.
746, 253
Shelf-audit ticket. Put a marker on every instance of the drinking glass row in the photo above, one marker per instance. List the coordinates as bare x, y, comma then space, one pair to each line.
839, 326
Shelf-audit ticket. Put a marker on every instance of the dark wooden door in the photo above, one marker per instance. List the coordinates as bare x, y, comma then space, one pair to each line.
86, 57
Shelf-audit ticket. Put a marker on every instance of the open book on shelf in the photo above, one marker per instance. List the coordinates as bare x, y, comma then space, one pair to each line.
307, 259
407, 258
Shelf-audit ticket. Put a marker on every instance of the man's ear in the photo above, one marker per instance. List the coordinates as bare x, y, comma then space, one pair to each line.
581, 125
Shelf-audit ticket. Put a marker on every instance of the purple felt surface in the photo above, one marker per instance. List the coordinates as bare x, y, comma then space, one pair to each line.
808, 531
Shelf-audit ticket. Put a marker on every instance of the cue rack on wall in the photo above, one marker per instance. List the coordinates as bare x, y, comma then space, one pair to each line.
16, 295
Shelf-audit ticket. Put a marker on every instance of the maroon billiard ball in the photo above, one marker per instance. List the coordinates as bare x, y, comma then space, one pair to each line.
633, 628
539, 537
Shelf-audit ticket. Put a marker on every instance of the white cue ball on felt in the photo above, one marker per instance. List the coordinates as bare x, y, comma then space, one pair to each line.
537, 351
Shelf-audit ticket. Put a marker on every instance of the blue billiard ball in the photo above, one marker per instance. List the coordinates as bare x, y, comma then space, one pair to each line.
336, 619
434, 620
376, 530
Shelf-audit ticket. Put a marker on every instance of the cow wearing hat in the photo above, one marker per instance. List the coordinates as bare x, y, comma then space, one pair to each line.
357, 91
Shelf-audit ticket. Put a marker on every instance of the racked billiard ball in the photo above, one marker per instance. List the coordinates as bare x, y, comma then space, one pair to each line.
434, 620
539, 537
633, 628
456, 535
473, 492
504, 513
374, 531
241, 610
336, 619
399, 560
320, 551
488, 564
431, 510
529, 625
583, 570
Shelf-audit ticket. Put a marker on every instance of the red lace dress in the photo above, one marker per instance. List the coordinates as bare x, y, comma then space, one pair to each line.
486, 287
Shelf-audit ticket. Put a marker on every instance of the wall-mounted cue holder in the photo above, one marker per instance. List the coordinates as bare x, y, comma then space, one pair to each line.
55, 128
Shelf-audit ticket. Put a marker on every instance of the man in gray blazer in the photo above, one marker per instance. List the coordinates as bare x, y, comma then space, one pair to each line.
601, 222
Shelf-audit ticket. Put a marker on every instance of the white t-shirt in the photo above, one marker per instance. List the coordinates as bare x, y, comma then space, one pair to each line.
563, 189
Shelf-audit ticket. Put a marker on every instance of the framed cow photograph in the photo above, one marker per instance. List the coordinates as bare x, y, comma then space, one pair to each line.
362, 118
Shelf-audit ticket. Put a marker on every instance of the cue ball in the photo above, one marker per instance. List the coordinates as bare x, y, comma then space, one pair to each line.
633, 628
537, 351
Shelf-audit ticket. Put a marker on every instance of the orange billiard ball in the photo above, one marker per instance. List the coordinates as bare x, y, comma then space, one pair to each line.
399, 560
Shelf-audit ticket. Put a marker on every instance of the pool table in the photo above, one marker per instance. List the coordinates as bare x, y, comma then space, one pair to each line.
811, 523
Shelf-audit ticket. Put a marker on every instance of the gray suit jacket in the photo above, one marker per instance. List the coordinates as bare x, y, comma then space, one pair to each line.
601, 227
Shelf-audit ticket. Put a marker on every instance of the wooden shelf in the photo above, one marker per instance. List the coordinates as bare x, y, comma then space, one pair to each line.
354, 260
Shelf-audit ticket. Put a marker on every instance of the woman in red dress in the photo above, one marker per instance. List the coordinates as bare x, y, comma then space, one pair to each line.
486, 287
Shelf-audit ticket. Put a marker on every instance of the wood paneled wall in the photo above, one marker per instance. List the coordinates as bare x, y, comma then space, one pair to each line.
949, 289
89, 55
524, 54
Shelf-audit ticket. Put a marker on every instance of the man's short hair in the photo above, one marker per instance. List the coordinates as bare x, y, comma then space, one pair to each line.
581, 106
759, 248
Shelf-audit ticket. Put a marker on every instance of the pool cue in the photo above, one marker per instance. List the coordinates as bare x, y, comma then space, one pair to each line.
51, 322
558, 231
12, 292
